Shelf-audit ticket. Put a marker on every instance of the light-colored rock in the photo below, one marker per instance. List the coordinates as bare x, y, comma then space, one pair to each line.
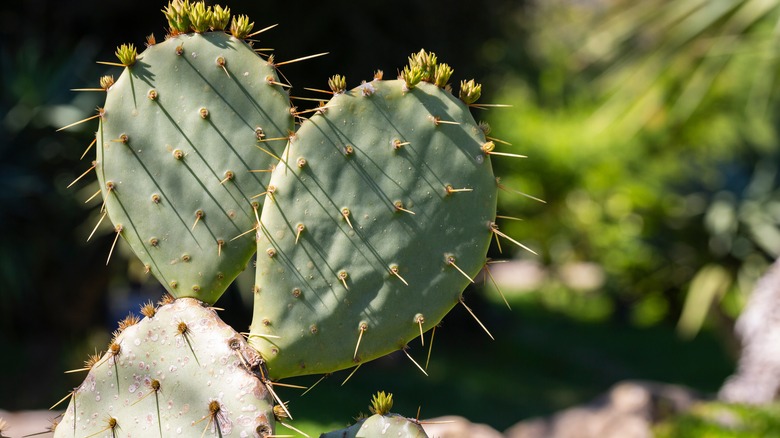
757, 379
21, 423
628, 410
457, 427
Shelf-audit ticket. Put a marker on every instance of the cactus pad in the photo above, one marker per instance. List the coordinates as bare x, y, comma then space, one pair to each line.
375, 221
177, 157
381, 423
391, 425
180, 372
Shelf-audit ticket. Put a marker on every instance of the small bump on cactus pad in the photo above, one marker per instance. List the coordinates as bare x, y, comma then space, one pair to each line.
180, 372
177, 157
375, 238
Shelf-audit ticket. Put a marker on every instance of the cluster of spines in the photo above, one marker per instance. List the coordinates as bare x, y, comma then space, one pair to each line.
184, 17
127, 55
424, 66
381, 403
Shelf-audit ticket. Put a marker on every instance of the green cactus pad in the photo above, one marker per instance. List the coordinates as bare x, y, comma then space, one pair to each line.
383, 209
181, 372
177, 157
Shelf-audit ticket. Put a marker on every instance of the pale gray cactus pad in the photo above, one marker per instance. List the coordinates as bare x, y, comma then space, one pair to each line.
182, 372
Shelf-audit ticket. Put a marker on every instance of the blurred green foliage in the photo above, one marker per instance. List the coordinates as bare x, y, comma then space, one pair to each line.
720, 420
652, 132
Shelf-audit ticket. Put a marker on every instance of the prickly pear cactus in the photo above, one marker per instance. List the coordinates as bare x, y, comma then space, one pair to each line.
376, 216
381, 423
379, 217
180, 371
177, 155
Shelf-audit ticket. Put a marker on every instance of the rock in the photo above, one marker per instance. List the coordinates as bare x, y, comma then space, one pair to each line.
757, 379
458, 427
23, 423
628, 410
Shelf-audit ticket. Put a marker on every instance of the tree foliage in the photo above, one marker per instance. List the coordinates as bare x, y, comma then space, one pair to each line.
652, 132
